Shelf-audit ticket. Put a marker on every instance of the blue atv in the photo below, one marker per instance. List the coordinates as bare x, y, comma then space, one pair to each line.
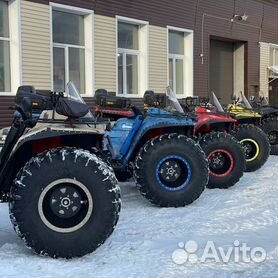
169, 168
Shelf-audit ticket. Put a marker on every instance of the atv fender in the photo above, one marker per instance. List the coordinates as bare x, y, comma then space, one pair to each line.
45, 138
209, 118
152, 122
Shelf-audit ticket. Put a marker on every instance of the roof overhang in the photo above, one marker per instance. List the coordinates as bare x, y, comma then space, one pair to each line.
273, 70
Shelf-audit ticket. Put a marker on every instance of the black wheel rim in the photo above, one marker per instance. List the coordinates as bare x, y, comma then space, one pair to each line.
250, 148
66, 200
173, 173
273, 137
65, 205
221, 163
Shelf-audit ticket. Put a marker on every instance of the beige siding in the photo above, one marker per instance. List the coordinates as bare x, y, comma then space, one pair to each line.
158, 61
264, 63
36, 51
105, 53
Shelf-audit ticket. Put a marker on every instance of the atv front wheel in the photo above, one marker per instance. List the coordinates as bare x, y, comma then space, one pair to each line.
65, 203
226, 159
171, 170
255, 145
270, 127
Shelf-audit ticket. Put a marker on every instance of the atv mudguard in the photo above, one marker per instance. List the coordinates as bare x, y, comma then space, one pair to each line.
39, 139
124, 145
208, 117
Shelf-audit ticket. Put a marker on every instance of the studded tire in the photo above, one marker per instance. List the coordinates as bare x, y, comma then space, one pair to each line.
270, 127
259, 143
65, 203
226, 159
192, 169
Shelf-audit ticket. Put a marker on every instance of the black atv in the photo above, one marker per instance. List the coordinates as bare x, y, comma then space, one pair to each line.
64, 200
269, 119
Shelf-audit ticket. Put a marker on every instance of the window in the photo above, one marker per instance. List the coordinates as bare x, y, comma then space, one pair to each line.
176, 61
128, 55
180, 63
273, 57
131, 57
68, 50
5, 71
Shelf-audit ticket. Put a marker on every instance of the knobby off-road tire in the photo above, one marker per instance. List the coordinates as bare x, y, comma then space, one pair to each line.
65, 203
226, 159
255, 145
171, 170
270, 127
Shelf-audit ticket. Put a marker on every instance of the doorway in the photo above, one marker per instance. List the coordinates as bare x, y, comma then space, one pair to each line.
226, 70
273, 93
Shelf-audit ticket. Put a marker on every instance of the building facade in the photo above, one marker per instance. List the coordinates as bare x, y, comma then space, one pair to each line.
128, 46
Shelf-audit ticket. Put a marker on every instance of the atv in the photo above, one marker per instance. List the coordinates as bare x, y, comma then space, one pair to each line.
253, 140
225, 155
64, 200
170, 169
268, 121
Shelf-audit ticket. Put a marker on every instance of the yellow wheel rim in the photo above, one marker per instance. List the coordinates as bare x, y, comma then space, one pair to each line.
249, 140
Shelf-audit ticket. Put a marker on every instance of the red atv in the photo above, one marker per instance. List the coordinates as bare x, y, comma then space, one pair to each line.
212, 117
224, 152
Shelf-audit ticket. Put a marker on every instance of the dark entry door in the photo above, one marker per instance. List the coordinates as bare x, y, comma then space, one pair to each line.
273, 93
222, 69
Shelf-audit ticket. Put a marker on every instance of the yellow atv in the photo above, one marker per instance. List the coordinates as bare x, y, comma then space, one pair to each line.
269, 119
253, 139
243, 114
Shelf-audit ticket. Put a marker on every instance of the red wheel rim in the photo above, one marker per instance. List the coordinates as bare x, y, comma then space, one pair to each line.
226, 155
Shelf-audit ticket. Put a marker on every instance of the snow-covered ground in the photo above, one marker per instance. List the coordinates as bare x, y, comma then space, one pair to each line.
146, 236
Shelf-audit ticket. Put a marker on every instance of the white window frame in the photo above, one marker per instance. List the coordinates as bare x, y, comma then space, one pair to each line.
273, 47
142, 54
15, 46
88, 45
66, 53
174, 58
188, 60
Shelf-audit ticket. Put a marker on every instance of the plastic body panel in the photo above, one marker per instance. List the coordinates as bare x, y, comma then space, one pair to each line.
126, 134
208, 117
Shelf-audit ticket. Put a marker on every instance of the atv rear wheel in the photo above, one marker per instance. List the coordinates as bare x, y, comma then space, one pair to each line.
270, 127
65, 203
226, 159
255, 145
171, 170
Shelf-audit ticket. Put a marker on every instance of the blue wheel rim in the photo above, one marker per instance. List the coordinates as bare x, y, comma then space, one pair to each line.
184, 178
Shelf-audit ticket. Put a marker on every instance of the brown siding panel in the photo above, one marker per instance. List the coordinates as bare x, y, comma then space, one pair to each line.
6, 113
189, 14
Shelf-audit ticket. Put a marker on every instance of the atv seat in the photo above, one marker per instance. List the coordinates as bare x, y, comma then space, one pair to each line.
24, 91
